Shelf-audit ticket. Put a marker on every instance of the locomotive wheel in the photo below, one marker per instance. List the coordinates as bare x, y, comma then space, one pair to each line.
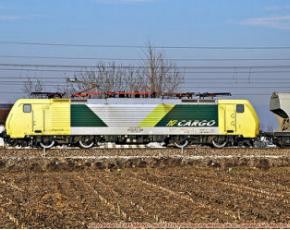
219, 141
86, 142
181, 144
47, 143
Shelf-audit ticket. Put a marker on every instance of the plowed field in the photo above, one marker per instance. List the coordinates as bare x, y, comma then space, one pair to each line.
142, 197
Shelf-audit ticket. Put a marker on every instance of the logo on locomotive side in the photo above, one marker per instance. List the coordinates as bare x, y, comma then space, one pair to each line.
191, 123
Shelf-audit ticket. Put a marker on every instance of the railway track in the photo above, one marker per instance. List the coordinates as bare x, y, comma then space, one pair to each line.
138, 150
131, 146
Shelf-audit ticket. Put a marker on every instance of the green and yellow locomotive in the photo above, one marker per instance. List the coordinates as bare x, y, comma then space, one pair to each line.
48, 122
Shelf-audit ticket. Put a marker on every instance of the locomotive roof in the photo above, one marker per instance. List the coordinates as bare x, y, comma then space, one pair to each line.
146, 101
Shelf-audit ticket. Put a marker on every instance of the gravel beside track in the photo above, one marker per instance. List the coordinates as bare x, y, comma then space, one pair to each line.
118, 162
193, 151
76, 159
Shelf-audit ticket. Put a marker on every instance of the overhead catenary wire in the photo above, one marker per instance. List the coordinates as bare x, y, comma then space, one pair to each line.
234, 86
144, 67
142, 59
188, 80
62, 44
255, 72
191, 78
214, 81
184, 72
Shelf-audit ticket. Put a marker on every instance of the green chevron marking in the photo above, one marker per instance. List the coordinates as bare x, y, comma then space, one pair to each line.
83, 116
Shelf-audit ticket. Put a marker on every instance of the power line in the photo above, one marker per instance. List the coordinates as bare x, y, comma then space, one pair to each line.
223, 81
142, 59
200, 85
182, 72
143, 67
205, 78
224, 85
25, 43
192, 80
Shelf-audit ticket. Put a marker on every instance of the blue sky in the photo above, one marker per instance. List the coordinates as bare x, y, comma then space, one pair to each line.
161, 22
199, 22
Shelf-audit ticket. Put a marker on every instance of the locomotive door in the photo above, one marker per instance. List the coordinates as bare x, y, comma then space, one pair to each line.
37, 119
230, 119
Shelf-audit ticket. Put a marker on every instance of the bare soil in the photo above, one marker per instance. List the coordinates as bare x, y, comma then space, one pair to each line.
151, 189
178, 195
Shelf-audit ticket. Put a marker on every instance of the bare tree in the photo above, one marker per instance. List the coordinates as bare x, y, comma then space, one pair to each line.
38, 86
155, 75
105, 77
162, 76
31, 86
28, 87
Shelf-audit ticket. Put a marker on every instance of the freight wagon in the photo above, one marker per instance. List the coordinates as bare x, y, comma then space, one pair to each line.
280, 106
4, 111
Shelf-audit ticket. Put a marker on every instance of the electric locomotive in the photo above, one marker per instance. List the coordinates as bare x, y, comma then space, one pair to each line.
172, 121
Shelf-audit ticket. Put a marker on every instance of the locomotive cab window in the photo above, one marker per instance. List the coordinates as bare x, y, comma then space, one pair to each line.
27, 108
240, 108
